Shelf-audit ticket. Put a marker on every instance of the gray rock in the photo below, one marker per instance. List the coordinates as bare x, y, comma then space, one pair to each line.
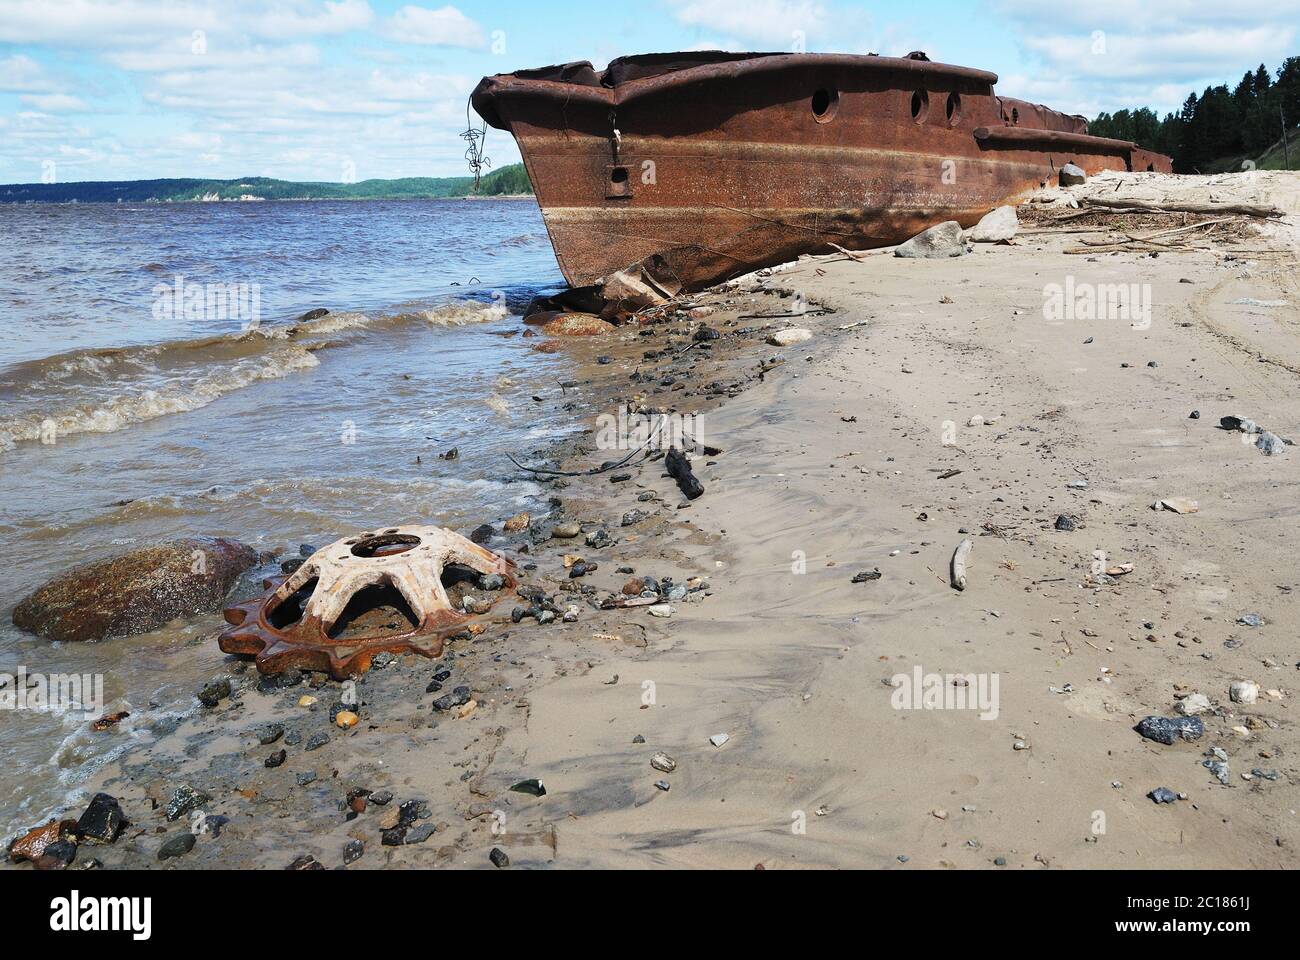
1218, 768
1163, 795
996, 227
1072, 176
1270, 443
940, 241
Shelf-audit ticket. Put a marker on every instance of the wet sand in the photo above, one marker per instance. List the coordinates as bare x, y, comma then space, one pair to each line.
831, 465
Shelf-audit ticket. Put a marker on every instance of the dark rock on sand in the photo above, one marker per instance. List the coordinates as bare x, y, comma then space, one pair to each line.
457, 698
1168, 730
102, 820
275, 759
184, 799
135, 592
499, 858
353, 851
176, 846
57, 856
482, 533
214, 692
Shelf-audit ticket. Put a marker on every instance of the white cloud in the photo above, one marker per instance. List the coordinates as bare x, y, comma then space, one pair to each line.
55, 102
306, 18
444, 27
180, 55
21, 72
99, 22
775, 22
1109, 54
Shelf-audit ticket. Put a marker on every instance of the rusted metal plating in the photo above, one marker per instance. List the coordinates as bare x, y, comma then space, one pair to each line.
712, 164
408, 559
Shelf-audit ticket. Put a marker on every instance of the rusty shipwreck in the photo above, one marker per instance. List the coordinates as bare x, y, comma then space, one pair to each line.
696, 167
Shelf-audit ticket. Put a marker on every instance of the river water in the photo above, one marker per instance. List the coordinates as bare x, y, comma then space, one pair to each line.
155, 383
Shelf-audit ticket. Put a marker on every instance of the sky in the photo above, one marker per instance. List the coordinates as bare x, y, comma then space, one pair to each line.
341, 90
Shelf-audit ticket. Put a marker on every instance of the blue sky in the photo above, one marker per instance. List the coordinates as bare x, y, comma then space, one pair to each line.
337, 89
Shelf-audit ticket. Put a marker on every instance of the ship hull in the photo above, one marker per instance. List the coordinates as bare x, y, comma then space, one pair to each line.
713, 169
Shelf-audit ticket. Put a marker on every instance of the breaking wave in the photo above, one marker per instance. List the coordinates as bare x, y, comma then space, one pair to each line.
100, 391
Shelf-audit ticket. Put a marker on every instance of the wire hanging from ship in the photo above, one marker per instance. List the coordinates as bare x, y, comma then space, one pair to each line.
477, 140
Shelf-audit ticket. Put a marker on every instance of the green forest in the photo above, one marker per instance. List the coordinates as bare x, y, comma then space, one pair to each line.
511, 180
1223, 127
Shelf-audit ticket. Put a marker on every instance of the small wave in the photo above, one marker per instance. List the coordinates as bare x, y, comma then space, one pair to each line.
104, 390
124, 410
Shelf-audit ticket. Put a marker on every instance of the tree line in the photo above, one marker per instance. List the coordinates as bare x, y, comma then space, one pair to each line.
1219, 125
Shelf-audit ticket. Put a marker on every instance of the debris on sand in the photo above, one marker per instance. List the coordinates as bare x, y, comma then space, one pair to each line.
1177, 505
789, 336
663, 763
376, 592
1169, 730
679, 468
1244, 691
957, 571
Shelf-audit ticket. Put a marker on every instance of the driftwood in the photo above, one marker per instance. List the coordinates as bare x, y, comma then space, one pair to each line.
1173, 206
594, 471
679, 468
958, 571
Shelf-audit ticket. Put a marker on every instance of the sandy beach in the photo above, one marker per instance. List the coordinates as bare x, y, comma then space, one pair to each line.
936, 400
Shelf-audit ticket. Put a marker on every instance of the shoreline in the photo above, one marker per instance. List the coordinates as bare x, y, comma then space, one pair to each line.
836, 462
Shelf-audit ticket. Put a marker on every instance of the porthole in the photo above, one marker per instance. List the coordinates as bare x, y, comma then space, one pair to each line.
954, 110
824, 103
920, 106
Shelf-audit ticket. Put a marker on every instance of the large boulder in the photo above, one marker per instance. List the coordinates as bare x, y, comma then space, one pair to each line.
942, 240
577, 325
996, 227
136, 591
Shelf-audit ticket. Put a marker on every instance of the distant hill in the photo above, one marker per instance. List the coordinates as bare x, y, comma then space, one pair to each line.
511, 180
